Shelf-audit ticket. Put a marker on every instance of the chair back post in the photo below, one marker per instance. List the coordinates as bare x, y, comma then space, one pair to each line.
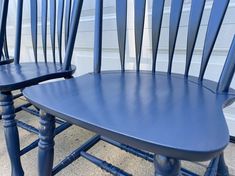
3, 22
34, 27
121, 16
18, 31
67, 21
215, 21
157, 14
44, 28
52, 26
195, 17
60, 16
5, 46
228, 70
98, 36
175, 16
76, 14
139, 29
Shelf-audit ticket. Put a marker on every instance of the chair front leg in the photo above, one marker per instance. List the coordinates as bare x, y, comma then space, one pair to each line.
46, 144
165, 166
11, 132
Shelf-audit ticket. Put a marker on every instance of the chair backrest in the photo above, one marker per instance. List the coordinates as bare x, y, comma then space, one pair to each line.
197, 7
59, 18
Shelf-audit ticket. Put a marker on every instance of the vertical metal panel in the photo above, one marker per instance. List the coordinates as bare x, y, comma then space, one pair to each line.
98, 36
18, 31
216, 18
67, 20
59, 27
121, 11
76, 13
176, 10
44, 28
52, 26
228, 70
34, 22
139, 29
195, 17
157, 13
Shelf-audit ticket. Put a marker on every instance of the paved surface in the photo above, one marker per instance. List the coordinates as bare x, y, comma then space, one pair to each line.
74, 137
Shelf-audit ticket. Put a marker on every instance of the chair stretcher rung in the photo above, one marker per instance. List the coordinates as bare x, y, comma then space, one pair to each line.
139, 153
76, 154
142, 154
104, 165
34, 144
62, 127
29, 147
17, 95
36, 113
19, 108
31, 111
59, 121
27, 127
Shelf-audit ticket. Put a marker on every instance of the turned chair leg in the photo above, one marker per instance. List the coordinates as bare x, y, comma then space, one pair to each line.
222, 167
11, 132
165, 166
46, 144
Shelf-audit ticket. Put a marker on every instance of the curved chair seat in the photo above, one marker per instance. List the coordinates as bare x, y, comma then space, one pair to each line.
164, 114
17, 76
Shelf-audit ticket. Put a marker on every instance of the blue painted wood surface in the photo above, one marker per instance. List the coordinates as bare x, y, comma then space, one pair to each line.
120, 106
13, 77
20, 75
177, 117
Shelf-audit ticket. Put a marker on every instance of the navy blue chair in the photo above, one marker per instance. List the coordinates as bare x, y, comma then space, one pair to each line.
18, 75
162, 117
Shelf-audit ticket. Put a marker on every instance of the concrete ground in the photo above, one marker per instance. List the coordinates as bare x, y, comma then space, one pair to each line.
74, 137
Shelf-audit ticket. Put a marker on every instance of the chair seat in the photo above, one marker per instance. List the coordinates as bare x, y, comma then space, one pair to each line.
17, 76
160, 113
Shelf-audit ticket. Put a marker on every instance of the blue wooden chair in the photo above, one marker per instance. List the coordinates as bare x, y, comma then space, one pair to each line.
17, 76
173, 116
